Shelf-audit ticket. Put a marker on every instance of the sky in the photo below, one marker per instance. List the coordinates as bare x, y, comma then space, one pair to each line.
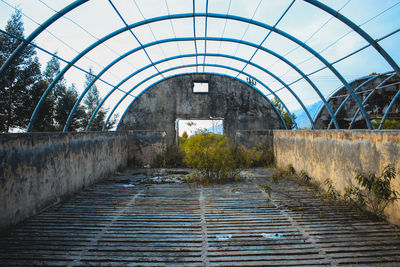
96, 18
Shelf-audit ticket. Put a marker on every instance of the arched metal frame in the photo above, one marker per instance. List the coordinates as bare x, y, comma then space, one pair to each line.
179, 16
366, 99
179, 57
315, 3
187, 66
161, 61
176, 75
165, 60
348, 97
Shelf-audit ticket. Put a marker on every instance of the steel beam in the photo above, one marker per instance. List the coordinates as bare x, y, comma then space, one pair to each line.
186, 66
192, 55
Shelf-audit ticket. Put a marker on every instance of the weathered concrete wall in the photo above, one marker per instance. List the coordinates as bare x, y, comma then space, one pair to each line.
339, 154
37, 169
241, 107
144, 146
254, 138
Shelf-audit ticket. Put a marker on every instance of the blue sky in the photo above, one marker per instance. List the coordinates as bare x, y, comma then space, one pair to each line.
322, 32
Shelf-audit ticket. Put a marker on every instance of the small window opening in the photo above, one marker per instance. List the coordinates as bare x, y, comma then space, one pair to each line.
200, 87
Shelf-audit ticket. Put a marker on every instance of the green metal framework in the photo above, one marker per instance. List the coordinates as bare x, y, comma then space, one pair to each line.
160, 74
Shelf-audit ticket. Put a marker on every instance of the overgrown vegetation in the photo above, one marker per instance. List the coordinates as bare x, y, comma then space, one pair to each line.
389, 124
372, 194
374, 191
172, 157
213, 157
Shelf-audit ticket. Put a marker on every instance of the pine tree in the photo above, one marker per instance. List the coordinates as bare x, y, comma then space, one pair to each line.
45, 118
19, 80
66, 99
92, 100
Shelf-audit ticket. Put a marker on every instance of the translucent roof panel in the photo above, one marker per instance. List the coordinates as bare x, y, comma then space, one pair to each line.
310, 47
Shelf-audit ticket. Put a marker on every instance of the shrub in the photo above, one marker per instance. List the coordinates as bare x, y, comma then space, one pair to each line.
172, 157
389, 124
215, 157
374, 191
261, 156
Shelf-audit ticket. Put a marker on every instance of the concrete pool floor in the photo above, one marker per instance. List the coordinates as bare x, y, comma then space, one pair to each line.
125, 221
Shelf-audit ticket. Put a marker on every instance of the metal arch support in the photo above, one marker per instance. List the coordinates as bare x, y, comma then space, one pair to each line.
38, 31
357, 29
367, 99
177, 75
193, 65
212, 39
190, 55
243, 42
347, 97
224, 16
388, 109
105, 38
313, 52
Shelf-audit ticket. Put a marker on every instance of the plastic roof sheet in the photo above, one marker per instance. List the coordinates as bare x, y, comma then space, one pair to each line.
299, 51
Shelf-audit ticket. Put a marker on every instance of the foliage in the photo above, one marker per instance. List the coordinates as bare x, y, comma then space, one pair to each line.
215, 157
91, 102
261, 156
66, 99
172, 157
332, 192
20, 79
374, 191
290, 124
389, 124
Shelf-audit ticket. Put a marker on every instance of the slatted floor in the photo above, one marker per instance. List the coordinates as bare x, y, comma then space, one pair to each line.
187, 225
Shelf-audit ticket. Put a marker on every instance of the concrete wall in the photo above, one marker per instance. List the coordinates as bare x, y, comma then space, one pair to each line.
241, 107
37, 169
339, 154
253, 138
144, 146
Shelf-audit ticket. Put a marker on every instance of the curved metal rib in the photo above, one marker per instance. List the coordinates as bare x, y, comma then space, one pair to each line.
176, 75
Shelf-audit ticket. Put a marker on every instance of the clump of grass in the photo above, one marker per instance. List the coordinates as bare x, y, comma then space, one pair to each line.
267, 189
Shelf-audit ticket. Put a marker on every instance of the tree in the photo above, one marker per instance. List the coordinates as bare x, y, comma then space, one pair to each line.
91, 102
290, 124
66, 99
19, 80
45, 118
